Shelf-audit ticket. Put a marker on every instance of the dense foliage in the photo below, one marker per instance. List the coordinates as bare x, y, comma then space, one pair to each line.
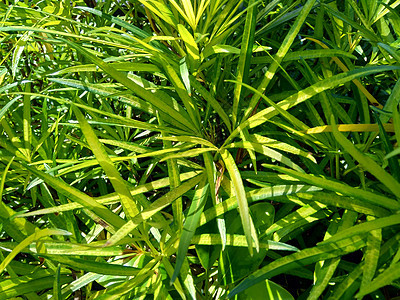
199, 149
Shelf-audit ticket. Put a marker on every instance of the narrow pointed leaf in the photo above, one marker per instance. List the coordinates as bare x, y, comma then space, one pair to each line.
364, 228
285, 46
301, 96
371, 256
122, 78
120, 186
93, 266
33, 237
190, 225
368, 164
152, 209
244, 58
341, 188
301, 258
191, 46
389, 275
79, 197
241, 198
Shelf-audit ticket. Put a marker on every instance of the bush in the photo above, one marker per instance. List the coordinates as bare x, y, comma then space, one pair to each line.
199, 149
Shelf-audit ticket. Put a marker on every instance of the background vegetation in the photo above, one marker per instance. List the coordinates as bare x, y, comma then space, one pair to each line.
200, 149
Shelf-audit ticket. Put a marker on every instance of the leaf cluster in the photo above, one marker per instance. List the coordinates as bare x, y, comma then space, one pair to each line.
200, 149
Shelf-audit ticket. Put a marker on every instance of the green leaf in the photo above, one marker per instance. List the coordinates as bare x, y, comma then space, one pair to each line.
123, 79
103, 90
190, 153
396, 122
129, 204
252, 196
364, 228
6, 107
191, 47
212, 181
268, 152
224, 49
189, 139
173, 174
80, 282
33, 237
93, 266
244, 58
110, 198
235, 260
180, 89
391, 103
393, 162
307, 54
135, 30
301, 258
120, 66
366, 32
117, 291
57, 284
19, 48
185, 75
236, 240
67, 248
299, 215
284, 48
3, 178
18, 229
161, 10
338, 200
190, 225
389, 275
33, 285
325, 270
301, 96
340, 188
267, 290
115, 120
272, 143
368, 164
153, 208
371, 256
79, 197
241, 198
27, 122
212, 101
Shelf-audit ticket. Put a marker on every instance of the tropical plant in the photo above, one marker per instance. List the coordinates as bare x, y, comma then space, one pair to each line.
199, 149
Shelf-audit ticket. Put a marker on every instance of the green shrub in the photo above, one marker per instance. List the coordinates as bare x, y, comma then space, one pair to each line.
199, 149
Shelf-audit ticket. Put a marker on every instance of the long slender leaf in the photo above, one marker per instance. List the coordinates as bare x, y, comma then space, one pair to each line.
130, 205
34, 237
35, 284
341, 188
374, 241
280, 54
389, 275
364, 228
94, 266
79, 197
132, 86
301, 258
264, 115
244, 58
57, 285
190, 225
240, 194
370, 165
155, 207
